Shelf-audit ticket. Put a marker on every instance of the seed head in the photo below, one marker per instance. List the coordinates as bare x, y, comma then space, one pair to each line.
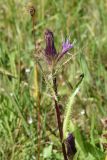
31, 9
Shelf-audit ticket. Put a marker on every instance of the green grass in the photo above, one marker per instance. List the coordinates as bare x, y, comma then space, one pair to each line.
86, 23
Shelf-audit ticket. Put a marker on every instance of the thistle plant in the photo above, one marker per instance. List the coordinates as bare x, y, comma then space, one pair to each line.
53, 58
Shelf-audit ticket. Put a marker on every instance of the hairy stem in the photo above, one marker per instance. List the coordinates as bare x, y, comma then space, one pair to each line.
57, 109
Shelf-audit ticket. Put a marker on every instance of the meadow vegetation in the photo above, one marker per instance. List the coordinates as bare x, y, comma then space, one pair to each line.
84, 67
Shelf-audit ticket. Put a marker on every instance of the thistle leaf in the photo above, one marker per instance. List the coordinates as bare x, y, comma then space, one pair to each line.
67, 119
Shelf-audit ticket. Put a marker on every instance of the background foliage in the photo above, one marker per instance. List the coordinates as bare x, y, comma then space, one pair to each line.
86, 24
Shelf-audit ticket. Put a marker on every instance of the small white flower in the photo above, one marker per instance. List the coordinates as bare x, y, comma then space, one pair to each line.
33, 157
11, 94
27, 70
30, 120
82, 112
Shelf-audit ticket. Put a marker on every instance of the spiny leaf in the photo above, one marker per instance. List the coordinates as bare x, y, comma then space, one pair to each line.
67, 120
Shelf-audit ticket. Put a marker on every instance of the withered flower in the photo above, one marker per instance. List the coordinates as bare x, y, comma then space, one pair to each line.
50, 51
31, 10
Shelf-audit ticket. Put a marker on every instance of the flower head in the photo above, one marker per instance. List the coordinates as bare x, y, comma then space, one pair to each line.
50, 51
70, 141
66, 46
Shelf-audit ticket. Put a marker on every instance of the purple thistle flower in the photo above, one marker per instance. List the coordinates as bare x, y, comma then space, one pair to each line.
66, 46
70, 141
50, 51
